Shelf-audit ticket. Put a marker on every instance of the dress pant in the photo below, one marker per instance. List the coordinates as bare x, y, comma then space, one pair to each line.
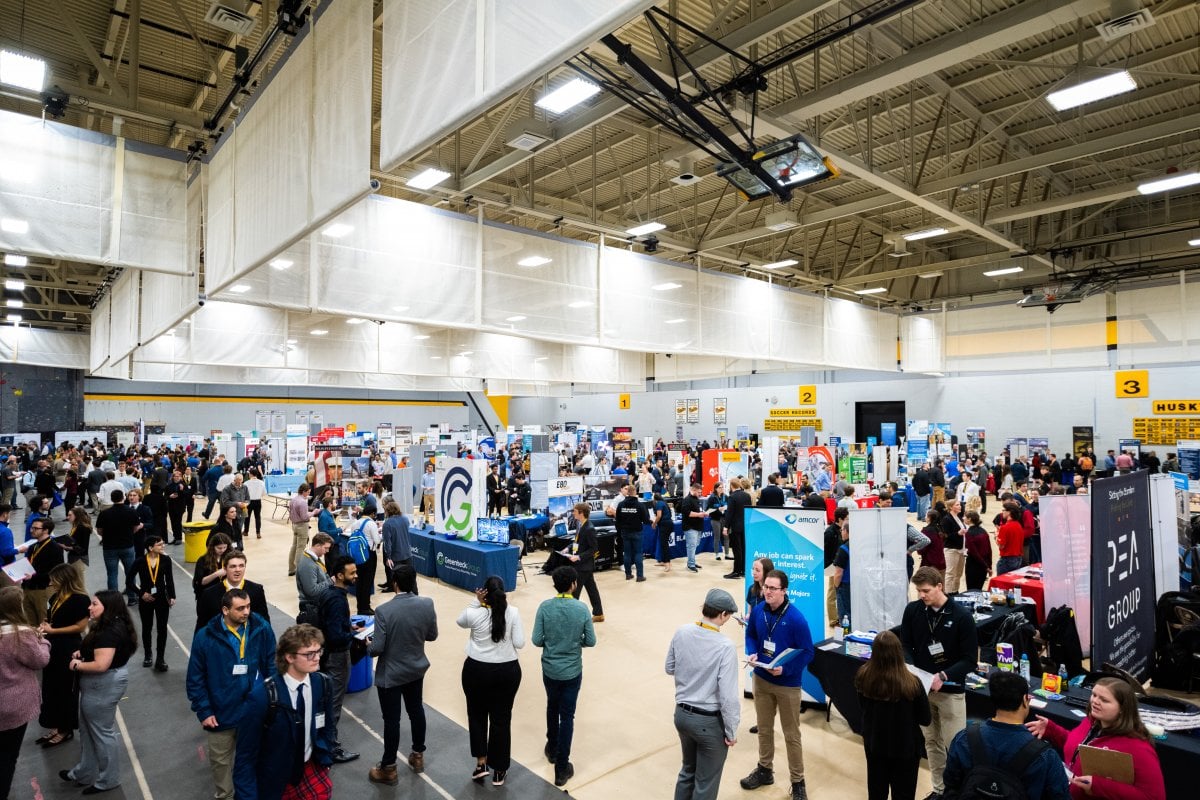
393, 700
212, 501
702, 739
99, 759
152, 614
720, 537
561, 699
365, 585
769, 698
10, 748
948, 714
831, 609
299, 543
254, 509
491, 689
35, 605
737, 541
631, 545
664, 545
221, 747
587, 580
939, 494
175, 514
954, 569
897, 775
337, 666
114, 556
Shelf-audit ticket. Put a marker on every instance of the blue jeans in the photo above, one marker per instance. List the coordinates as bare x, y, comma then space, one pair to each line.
923, 506
1008, 564
633, 552
561, 697
692, 539
114, 556
843, 601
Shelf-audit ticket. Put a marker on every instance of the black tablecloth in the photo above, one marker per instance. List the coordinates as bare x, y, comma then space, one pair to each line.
607, 554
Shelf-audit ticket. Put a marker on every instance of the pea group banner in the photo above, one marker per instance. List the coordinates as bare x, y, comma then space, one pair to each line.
793, 538
1123, 574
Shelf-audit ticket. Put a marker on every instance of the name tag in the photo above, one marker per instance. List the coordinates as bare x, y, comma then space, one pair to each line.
936, 649
153, 590
319, 720
769, 648
574, 548
241, 669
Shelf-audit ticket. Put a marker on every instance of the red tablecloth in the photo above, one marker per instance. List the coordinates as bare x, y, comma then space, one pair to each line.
867, 502
1033, 588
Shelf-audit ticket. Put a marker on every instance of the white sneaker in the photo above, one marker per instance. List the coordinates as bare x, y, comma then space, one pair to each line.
718, 558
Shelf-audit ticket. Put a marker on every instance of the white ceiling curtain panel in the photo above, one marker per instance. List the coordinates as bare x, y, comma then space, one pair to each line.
98, 347
1076, 334
497, 46
23, 345
300, 151
530, 280
165, 301
123, 331
1152, 324
797, 326
859, 337
1000, 338
735, 315
921, 347
153, 210
234, 334
280, 283
647, 304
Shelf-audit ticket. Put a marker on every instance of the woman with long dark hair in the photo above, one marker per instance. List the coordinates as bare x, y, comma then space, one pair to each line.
491, 676
754, 595
979, 553
23, 652
81, 531
934, 553
100, 663
65, 623
208, 568
894, 707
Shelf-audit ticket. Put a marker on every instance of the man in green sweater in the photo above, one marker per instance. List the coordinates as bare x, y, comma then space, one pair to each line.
562, 628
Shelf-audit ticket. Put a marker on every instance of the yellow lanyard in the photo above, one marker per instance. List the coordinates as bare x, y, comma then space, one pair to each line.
241, 641
38, 549
317, 561
57, 604
153, 570
709, 627
566, 596
228, 587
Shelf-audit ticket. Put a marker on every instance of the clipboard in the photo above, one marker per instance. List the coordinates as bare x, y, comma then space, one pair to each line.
1112, 764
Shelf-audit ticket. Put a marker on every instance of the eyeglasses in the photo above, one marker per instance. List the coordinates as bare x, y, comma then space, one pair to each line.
311, 655
772, 588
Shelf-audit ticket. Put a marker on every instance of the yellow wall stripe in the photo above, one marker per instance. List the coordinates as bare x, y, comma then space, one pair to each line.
307, 401
1110, 332
499, 403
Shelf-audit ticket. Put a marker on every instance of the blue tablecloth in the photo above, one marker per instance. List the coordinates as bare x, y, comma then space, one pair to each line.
461, 563
678, 543
519, 527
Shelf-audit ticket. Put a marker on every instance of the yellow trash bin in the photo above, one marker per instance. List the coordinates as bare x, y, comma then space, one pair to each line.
195, 538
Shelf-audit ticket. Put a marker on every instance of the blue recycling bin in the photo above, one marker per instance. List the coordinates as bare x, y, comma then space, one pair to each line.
362, 674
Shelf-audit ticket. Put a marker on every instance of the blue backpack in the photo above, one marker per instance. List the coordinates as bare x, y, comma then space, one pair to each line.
359, 547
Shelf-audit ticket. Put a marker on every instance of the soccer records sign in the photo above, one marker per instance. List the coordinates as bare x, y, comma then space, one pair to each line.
1123, 574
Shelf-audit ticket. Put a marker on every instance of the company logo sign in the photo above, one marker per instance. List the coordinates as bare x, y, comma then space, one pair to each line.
458, 517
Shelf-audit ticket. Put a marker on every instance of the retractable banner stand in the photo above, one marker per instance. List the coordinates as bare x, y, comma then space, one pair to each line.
1123, 574
1164, 525
794, 540
878, 573
460, 494
1066, 522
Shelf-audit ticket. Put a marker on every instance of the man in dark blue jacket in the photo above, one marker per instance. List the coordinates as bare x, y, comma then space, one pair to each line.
334, 614
285, 737
208, 483
232, 654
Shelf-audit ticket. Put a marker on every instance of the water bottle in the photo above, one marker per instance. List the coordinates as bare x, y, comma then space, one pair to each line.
1062, 675
1010, 598
845, 625
1025, 667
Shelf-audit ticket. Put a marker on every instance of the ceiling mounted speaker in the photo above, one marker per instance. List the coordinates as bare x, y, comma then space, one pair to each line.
687, 172
230, 15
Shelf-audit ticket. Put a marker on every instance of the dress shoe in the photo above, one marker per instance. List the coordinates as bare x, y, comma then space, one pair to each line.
416, 762
597, 618
563, 774
693, 569
147, 662
161, 667
551, 753
382, 774
98, 790
641, 579
735, 575
798, 791
628, 577
341, 756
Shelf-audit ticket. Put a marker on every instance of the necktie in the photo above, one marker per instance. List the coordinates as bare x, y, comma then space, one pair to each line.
298, 762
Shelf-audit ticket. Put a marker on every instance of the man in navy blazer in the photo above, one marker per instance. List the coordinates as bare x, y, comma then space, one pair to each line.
285, 737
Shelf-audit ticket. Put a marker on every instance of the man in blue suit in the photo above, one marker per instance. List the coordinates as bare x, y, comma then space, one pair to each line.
285, 737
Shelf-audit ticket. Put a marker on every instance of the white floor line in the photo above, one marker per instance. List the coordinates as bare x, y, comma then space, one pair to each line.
133, 757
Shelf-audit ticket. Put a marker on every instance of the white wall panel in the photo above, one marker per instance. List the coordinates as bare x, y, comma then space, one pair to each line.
20, 344
921, 347
98, 345
858, 336
123, 332
637, 315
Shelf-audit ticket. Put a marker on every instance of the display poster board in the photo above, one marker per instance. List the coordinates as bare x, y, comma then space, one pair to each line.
720, 466
262, 423
693, 410
543, 467
563, 494
75, 437
794, 540
278, 422
917, 443
1164, 506
297, 449
878, 573
622, 440
818, 464
887, 433
720, 410
1188, 452
680, 411
1123, 574
1083, 439
885, 464
1066, 522
977, 438
460, 495
13, 439
770, 455
404, 488
1132, 446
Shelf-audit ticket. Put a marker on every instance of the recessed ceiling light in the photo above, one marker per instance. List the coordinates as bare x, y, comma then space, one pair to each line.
642, 230
355, 321
872, 290
515, 318
14, 260
666, 287
787, 262
22, 71
9, 225
542, 358
579, 304
428, 178
533, 261
14, 318
675, 321
435, 358
14, 285
466, 353
240, 288
993, 273
1194, 242
1091, 91
293, 341
318, 332
399, 308
337, 230
421, 337
569, 95
15, 303
925, 234
281, 263
1173, 182
928, 275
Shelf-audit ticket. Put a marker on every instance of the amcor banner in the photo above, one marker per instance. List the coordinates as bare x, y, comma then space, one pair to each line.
794, 540
460, 495
1123, 574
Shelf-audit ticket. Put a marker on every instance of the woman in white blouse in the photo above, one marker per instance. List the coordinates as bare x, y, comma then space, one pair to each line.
491, 676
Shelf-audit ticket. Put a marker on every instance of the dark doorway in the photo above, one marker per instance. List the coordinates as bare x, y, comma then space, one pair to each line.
868, 416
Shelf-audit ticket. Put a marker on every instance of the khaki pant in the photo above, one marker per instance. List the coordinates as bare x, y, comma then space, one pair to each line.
831, 615
221, 746
949, 716
939, 494
768, 698
35, 605
954, 570
427, 505
299, 543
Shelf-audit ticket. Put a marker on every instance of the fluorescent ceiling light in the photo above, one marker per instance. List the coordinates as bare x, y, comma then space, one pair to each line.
337, 230
916, 236
420, 337
240, 288
515, 318
533, 261
435, 358
642, 230
542, 358
1091, 91
787, 262
15, 303
1166, 184
995, 273
675, 321
1194, 242
355, 321
14, 260
16, 286
9, 225
466, 353
14, 318
399, 308
282, 263
579, 304
23, 71
666, 287
427, 178
569, 95
928, 275
293, 341
872, 290
169, 332
318, 331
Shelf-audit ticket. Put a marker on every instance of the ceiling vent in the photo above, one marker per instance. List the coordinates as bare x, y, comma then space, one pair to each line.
528, 134
899, 250
782, 221
687, 173
1125, 18
230, 15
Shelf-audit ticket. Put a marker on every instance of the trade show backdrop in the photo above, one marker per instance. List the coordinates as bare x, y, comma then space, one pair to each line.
878, 577
460, 495
1066, 558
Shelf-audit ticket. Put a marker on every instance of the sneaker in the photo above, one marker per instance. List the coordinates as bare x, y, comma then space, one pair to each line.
798, 792
761, 776
563, 774
693, 569
641, 579
480, 772
499, 776
382, 774
718, 558
416, 762
146, 662
597, 618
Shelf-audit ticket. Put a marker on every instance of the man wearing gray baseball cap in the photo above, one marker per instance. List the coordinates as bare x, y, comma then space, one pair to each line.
707, 710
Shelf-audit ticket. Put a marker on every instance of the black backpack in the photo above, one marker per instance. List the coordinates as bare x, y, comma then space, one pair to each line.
988, 781
1016, 630
1061, 636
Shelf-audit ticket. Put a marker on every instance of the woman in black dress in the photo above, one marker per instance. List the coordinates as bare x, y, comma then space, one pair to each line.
65, 623
208, 568
153, 582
